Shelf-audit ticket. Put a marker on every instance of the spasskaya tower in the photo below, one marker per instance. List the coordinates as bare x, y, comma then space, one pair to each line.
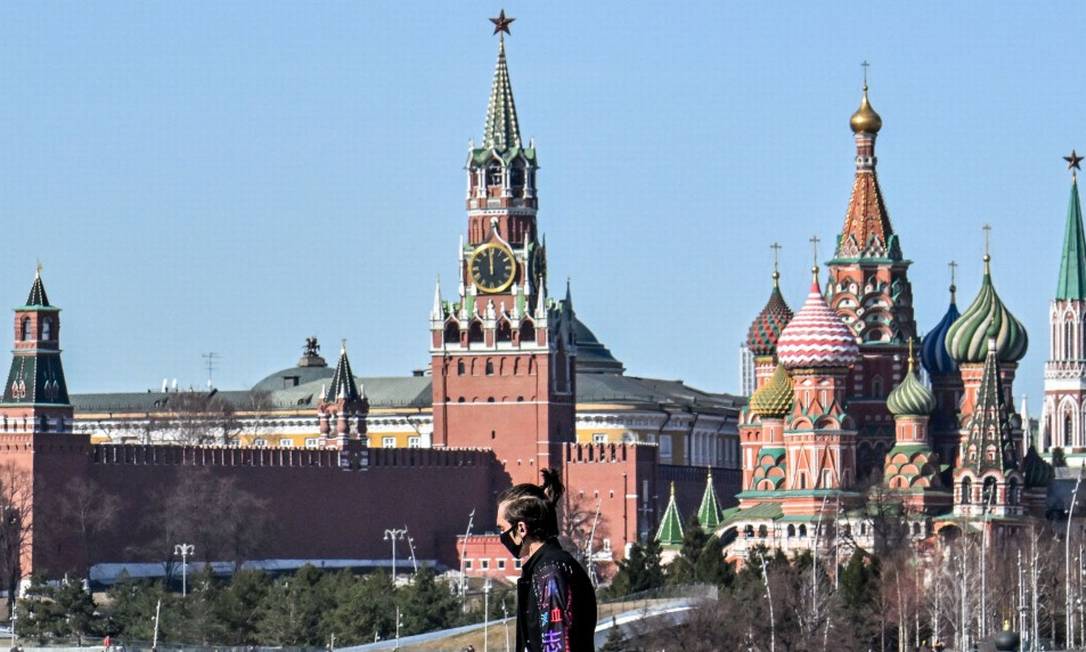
503, 353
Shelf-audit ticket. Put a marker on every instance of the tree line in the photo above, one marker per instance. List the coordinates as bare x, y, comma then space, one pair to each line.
305, 608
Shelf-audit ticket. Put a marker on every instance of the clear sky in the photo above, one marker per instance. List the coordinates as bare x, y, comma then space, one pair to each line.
236, 176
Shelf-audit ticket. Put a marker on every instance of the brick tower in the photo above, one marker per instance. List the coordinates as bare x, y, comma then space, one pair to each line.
41, 455
342, 410
1065, 371
503, 353
869, 287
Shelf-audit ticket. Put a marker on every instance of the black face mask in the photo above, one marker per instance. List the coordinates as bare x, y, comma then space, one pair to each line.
510, 545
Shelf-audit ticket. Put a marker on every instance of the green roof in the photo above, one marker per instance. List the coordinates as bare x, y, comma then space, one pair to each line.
670, 532
761, 511
501, 130
709, 511
343, 385
1072, 283
37, 297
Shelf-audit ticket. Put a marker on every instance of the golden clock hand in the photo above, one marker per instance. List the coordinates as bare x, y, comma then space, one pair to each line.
490, 257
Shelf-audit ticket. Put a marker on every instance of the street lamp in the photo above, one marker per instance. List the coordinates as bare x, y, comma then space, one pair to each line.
486, 614
184, 550
392, 535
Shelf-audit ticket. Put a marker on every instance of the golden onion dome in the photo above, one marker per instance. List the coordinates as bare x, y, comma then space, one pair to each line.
865, 119
774, 399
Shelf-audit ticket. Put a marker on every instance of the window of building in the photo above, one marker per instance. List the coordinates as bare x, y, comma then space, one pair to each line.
388, 442
467, 564
599, 438
291, 381
489, 368
484, 564
286, 443
665, 445
516, 564
413, 442
607, 545
501, 564
312, 442
26, 329
47, 329
259, 443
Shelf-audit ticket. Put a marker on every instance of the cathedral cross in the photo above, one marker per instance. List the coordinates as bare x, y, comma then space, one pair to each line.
987, 228
776, 247
865, 65
814, 240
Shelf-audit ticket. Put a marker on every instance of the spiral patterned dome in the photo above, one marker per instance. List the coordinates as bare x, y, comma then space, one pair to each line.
766, 329
933, 354
910, 398
774, 399
967, 338
816, 336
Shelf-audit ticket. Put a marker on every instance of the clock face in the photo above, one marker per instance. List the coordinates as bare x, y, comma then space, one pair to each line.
492, 268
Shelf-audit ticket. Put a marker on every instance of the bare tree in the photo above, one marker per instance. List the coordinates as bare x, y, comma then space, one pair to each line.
16, 520
83, 510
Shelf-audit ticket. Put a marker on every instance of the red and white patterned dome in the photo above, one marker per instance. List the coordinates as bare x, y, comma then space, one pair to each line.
816, 337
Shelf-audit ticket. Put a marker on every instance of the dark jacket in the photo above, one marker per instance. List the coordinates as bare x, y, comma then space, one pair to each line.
556, 605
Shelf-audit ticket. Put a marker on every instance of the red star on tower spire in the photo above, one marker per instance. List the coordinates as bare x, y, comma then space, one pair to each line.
502, 23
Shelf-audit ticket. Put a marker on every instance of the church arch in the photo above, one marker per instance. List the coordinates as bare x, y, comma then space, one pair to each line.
527, 332
47, 329
25, 329
475, 332
452, 333
504, 331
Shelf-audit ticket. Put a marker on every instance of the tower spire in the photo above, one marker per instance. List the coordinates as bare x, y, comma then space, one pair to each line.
1072, 282
501, 131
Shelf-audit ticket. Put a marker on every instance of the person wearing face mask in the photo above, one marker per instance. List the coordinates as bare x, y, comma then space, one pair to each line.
556, 605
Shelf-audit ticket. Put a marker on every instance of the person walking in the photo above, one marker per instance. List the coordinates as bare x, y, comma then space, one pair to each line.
556, 605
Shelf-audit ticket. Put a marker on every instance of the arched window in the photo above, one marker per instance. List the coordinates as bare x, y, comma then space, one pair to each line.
967, 491
989, 492
762, 532
1067, 430
452, 333
916, 529
1068, 338
490, 367
876, 387
802, 530
846, 529
527, 332
47, 329
459, 367
494, 175
1012, 491
791, 530
748, 531
505, 332
475, 333
25, 332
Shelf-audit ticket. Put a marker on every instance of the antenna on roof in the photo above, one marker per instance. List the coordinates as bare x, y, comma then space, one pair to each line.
210, 356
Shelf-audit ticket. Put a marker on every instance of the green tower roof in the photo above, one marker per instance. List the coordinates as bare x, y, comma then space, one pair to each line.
501, 131
343, 385
1072, 283
709, 511
671, 525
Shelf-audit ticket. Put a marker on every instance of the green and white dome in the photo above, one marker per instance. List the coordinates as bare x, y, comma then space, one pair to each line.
967, 338
911, 398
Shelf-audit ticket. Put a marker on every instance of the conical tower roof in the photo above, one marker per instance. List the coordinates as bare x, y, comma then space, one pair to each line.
989, 444
501, 131
967, 338
343, 385
709, 510
1072, 283
37, 297
670, 532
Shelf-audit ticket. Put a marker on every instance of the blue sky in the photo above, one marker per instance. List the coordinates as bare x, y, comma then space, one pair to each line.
236, 176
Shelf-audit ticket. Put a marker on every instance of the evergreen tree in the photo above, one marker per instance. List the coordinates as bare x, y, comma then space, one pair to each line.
614, 642
238, 607
427, 604
700, 560
63, 611
640, 571
291, 611
1059, 458
364, 607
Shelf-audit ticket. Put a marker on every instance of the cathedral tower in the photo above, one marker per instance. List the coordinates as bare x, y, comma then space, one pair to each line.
1065, 370
946, 381
503, 353
869, 288
820, 436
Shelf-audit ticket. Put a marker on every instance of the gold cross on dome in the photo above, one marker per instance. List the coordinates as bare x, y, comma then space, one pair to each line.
814, 240
776, 247
953, 270
865, 65
987, 228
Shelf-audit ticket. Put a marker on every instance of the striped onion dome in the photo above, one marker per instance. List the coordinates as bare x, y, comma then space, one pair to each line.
774, 399
910, 398
967, 338
816, 336
766, 329
933, 354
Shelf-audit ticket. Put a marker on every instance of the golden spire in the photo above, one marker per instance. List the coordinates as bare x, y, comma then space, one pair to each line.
865, 120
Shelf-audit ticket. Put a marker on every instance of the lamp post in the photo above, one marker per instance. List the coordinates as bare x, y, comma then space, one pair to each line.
1069, 615
463, 555
411, 547
184, 549
392, 535
486, 614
